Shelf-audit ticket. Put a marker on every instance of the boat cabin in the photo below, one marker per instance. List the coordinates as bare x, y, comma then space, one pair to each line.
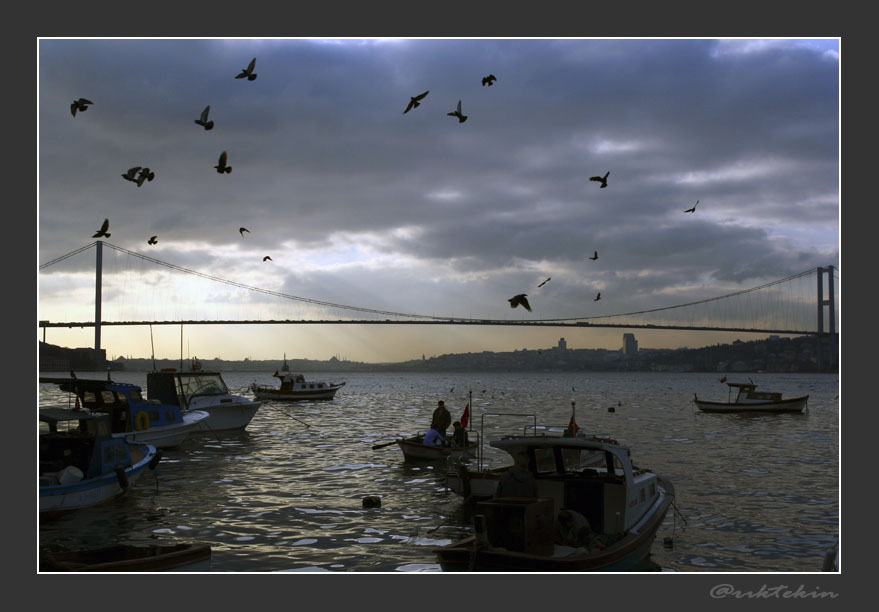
79, 439
179, 388
746, 393
612, 497
122, 402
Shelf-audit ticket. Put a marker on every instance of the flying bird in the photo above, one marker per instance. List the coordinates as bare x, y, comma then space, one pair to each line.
602, 180
457, 113
692, 210
267, 258
145, 175
79, 105
152, 240
248, 72
203, 120
520, 300
597, 297
241, 230
130, 175
489, 80
544, 282
103, 230
595, 256
415, 101
221, 165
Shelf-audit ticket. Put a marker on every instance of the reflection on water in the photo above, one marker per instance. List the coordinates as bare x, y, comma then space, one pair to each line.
754, 493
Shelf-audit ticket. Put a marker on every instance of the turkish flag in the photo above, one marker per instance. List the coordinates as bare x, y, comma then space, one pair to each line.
465, 418
723, 380
572, 426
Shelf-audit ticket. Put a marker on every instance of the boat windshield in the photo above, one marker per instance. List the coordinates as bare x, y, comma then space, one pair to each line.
206, 384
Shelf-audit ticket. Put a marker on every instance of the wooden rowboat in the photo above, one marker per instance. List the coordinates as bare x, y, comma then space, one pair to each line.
750, 400
188, 557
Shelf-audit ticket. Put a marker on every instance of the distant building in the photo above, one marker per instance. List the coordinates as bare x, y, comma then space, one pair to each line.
630, 345
563, 346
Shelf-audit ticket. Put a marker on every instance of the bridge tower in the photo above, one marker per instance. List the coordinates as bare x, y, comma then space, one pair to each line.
98, 266
826, 340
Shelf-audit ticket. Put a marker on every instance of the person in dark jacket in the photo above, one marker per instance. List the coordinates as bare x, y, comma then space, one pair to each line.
441, 418
459, 435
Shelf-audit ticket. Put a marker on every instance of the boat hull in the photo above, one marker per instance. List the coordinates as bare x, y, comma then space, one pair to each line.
414, 450
230, 416
468, 555
167, 436
128, 558
794, 404
326, 393
60, 498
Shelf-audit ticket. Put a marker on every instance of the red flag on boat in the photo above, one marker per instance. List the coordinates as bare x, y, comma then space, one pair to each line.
723, 380
465, 418
78, 406
572, 427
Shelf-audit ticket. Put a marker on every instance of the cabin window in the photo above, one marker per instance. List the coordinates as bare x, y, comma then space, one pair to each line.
643, 495
89, 397
576, 459
107, 396
136, 396
544, 460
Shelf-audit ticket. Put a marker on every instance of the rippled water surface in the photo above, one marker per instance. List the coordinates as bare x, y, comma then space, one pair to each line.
754, 493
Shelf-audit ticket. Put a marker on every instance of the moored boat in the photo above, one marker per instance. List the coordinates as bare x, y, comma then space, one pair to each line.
131, 416
204, 391
296, 388
414, 449
81, 464
185, 557
621, 505
749, 400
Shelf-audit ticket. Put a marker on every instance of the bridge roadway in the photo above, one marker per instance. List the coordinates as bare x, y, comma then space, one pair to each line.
506, 322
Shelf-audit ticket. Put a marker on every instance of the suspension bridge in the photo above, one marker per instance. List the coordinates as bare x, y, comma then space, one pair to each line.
803, 304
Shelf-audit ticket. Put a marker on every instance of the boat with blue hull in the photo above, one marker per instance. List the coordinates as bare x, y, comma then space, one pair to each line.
81, 464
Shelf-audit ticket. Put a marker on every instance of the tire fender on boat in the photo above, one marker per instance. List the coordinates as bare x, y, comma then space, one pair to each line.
121, 477
141, 421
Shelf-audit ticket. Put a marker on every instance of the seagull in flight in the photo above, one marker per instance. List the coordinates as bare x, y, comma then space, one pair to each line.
145, 175
457, 113
153, 240
248, 72
520, 300
544, 282
203, 120
79, 105
103, 230
595, 256
597, 297
692, 210
221, 165
602, 180
267, 258
414, 102
241, 230
489, 80
130, 175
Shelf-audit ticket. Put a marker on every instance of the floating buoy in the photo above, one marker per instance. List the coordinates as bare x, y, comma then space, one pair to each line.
372, 501
668, 542
611, 409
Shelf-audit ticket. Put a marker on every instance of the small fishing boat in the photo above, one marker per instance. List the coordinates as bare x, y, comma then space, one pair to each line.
131, 416
414, 449
203, 391
81, 464
749, 400
296, 388
622, 505
185, 557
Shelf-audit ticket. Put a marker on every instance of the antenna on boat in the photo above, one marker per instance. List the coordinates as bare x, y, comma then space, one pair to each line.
152, 347
181, 347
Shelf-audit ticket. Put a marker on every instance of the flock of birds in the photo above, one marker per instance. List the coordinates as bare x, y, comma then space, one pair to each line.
139, 175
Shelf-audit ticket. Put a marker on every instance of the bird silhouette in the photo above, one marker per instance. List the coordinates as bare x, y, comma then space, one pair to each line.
152, 240
267, 258
103, 230
241, 230
544, 282
595, 256
414, 102
692, 210
597, 297
489, 80
79, 105
520, 300
457, 113
130, 175
221, 165
248, 72
602, 180
145, 175
203, 120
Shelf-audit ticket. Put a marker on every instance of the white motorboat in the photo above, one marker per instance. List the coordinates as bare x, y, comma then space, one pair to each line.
202, 391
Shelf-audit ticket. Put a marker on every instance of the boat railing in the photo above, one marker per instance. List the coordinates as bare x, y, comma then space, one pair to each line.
480, 451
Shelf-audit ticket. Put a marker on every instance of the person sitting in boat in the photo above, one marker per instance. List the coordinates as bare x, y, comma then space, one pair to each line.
572, 529
518, 481
434, 438
441, 418
459, 435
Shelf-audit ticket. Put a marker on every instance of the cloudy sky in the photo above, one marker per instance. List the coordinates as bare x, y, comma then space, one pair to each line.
360, 204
